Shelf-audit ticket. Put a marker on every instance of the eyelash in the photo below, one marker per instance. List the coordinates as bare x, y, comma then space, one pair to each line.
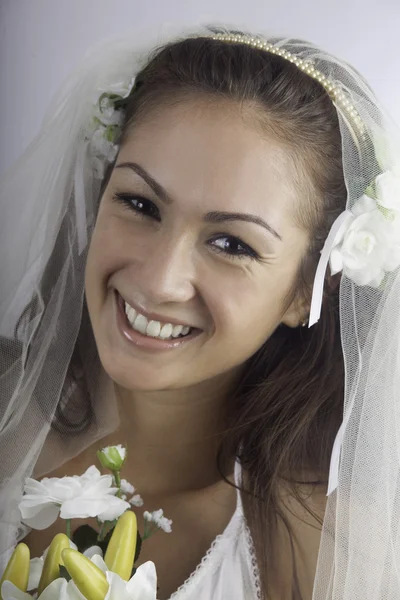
127, 200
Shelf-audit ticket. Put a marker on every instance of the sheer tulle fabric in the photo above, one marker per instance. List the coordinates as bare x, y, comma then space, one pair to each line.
48, 204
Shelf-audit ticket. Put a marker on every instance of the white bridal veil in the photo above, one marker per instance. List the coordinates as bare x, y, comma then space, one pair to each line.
47, 205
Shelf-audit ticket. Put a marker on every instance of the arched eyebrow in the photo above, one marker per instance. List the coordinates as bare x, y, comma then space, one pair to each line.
157, 188
221, 217
210, 217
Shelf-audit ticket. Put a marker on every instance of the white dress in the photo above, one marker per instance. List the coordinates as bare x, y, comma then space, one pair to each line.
229, 569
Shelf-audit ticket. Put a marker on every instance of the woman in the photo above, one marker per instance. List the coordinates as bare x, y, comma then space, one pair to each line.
193, 216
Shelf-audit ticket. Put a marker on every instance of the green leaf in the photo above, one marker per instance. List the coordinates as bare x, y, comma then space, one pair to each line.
85, 537
387, 212
64, 573
371, 191
138, 547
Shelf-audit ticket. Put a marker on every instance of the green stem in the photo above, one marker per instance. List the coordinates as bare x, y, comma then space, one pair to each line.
149, 530
68, 527
102, 533
117, 477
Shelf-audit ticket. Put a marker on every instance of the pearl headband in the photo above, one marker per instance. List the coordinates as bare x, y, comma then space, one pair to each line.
306, 66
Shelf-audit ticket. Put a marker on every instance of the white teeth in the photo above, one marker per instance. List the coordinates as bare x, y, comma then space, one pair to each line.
166, 331
132, 314
177, 330
153, 328
140, 324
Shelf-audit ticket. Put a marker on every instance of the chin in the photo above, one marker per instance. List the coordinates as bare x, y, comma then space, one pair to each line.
139, 379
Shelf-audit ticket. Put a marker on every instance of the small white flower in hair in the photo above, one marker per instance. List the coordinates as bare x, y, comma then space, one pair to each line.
105, 126
120, 88
99, 144
106, 112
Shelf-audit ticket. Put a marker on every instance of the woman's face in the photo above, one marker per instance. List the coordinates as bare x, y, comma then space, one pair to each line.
194, 250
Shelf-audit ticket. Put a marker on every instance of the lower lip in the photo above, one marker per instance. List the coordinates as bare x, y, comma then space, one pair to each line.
144, 341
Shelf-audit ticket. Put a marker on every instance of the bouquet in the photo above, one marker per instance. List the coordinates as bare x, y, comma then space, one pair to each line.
90, 564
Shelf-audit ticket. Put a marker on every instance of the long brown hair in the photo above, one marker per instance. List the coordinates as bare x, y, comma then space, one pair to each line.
288, 407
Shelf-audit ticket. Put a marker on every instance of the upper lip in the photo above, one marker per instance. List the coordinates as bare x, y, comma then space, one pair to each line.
151, 316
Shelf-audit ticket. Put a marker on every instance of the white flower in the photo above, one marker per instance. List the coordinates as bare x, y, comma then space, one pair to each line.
10, 592
121, 88
127, 488
106, 112
61, 589
136, 500
99, 144
142, 586
97, 499
388, 189
88, 495
157, 517
93, 551
35, 572
367, 245
106, 116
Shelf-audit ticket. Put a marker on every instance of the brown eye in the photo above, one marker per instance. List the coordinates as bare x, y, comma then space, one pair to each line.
233, 247
139, 205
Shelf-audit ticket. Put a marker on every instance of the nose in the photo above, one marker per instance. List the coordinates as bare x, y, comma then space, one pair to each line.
166, 273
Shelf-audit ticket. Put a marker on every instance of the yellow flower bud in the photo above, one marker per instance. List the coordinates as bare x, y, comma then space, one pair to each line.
121, 549
89, 579
17, 569
51, 570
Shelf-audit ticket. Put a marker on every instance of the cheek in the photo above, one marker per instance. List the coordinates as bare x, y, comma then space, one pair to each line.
243, 309
111, 248
102, 260
246, 310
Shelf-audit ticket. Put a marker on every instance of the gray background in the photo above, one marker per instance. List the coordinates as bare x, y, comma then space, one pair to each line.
42, 40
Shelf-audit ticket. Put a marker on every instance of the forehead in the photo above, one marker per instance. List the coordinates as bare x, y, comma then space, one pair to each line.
213, 153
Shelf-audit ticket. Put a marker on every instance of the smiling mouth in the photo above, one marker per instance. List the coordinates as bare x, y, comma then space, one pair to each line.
149, 333
154, 329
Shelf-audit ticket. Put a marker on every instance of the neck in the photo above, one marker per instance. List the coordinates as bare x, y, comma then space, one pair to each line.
173, 436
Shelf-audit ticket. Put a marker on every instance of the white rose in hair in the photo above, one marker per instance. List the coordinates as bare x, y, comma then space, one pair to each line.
366, 245
99, 144
388, 189
77, 497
